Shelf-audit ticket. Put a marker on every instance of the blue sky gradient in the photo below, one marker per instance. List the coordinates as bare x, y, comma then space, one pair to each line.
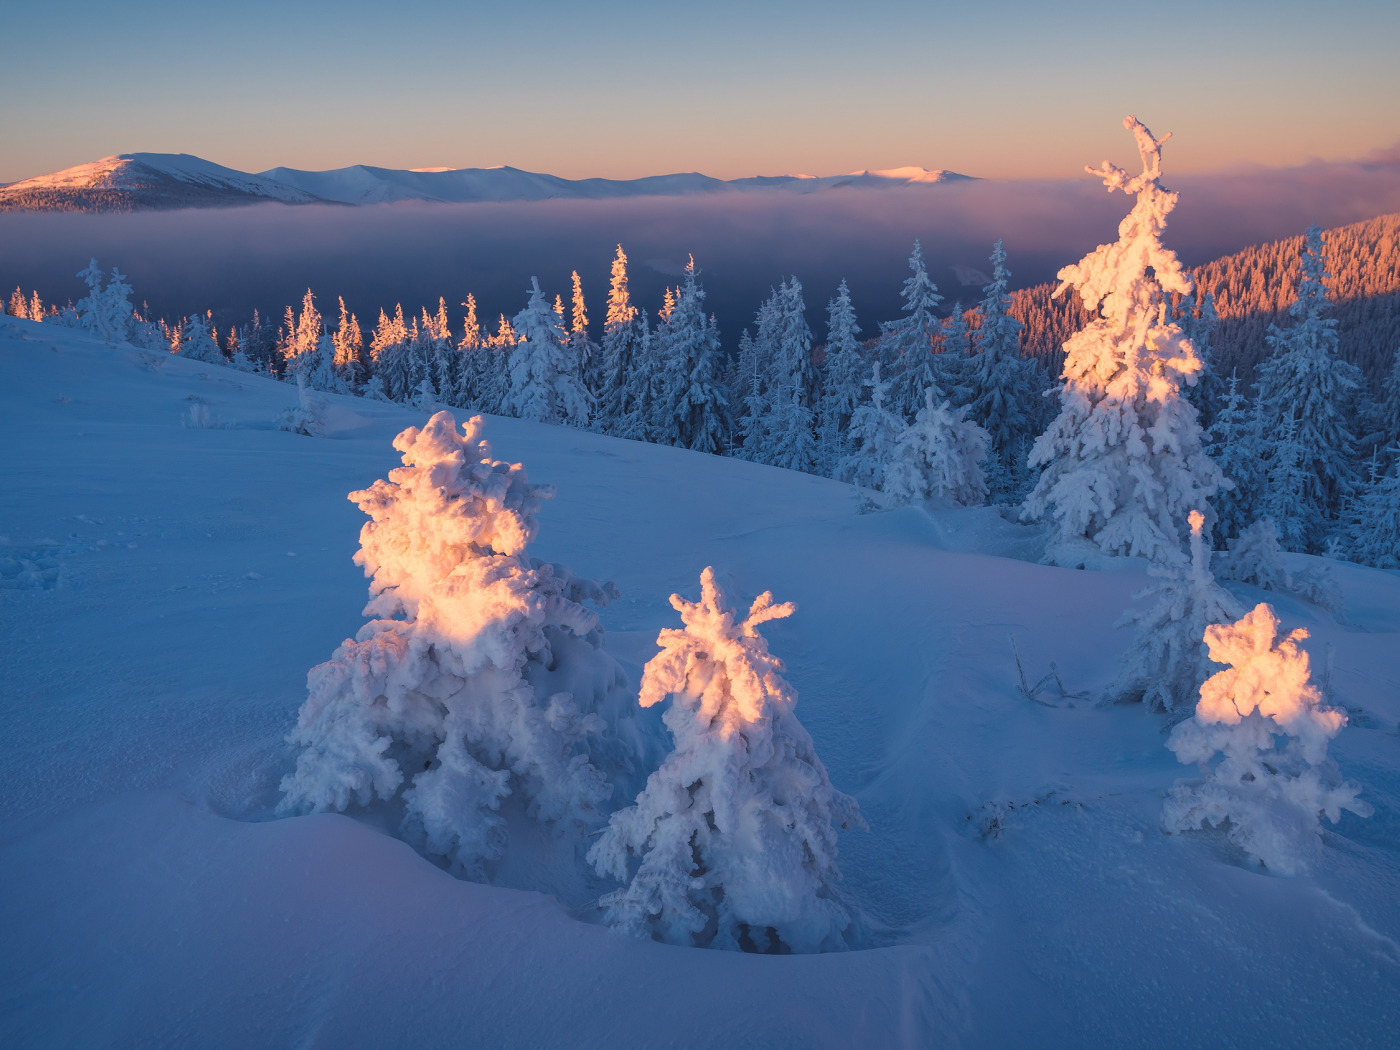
999, 88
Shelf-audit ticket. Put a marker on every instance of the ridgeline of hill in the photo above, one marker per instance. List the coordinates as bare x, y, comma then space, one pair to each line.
1253, 288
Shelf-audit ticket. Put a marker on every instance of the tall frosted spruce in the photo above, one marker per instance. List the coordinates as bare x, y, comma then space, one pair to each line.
842, 374
1005, 387
906, 346
1123, 463
1305, 379
693, 410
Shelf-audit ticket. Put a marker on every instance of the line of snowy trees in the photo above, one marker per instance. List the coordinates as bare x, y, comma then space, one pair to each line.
931, 406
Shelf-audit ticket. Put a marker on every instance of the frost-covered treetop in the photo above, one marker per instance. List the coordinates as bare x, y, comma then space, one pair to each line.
1271, 679
449, 502
737, 680
1113, 279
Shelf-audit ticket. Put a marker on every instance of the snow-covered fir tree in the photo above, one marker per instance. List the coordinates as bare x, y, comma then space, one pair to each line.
1284, 493
1123, 464
106, 310
197, 341
389, 355
938, 456
581, 344
1384, 418
954, 361
1167, 662
544, 381
1305, 379
736, 832
695, 409
1234, 443
788, 430
1259, 737
480, 671
1198, 318
842, 374
1373, 533
906, 346
616, 384
874, 431
1004, 386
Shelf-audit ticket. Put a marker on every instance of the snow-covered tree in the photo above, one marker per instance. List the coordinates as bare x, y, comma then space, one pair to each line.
1198, 318
1304, 379
580, 343
874, 431
1233, 442
906, 346
1284, 493
1374, 530
616, 381
842, 374
1123, 463
1259, 736
106, 310
480, 670
349, 346
1167, 662
197, 342
695, 405
1004, 386
938, 456
736, 832
544, 381
308, 416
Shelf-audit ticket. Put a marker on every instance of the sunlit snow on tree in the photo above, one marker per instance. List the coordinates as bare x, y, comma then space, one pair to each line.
1123, 462
1260, 736
481, 670
736, 832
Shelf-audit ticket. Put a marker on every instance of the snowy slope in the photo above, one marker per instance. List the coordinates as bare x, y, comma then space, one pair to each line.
145, 180
165, 590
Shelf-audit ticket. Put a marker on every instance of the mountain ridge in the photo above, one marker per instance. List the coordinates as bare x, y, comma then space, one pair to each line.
166, 181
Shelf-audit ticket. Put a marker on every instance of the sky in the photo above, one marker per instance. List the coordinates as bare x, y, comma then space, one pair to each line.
1004, 89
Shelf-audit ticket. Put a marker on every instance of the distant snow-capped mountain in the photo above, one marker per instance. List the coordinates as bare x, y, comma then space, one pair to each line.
142, 181
153, 181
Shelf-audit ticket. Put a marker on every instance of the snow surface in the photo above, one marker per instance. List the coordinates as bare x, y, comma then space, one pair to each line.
165, 588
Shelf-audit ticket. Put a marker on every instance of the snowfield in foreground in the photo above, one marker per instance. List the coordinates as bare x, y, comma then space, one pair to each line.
164, 589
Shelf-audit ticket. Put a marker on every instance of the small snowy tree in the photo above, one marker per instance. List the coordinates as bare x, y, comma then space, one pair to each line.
736, 832
1167, 662
1235, 446
1123, 462
197, 343
308, 416
874, 431
1259, 737
1374, 531
938, 456
480, 670
106, 310
544, 380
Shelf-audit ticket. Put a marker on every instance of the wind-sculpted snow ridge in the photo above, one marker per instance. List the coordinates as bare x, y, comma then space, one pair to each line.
1123, 463
1269, 792
481, 670
737, 830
